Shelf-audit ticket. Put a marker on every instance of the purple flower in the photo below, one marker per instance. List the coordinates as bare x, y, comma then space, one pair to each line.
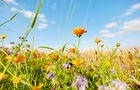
120, 85
67, 65
51, 76
103, 87
81, 83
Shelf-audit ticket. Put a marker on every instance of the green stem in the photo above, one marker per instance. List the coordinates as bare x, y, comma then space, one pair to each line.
114, 51
78, 43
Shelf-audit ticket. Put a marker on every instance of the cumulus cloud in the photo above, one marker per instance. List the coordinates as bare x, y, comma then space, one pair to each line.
42, 26
131, 26
104, 31
111, 25
109, 35
126, 27
11, 2
13, 9
30, 14
132, 9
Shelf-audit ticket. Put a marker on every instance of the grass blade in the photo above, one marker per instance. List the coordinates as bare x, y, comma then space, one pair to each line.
46, 47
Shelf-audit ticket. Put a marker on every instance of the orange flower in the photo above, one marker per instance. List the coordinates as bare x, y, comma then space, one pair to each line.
72, 50
20, 58
39, 87
79, 31
77, 62
3, 76
55, 57
17, 80
3, 36
97, 40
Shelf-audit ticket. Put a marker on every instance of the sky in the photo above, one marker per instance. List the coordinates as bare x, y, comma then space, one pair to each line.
111, 20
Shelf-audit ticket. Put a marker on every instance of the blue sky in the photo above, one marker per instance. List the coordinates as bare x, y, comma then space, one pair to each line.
111, 20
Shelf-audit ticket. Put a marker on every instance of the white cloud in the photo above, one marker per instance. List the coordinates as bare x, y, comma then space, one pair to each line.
131, 26
28, 14
42, 26
104, 31
126, 27
132, 9
42, 18
109, 35
13, 9
111, 25
11, 1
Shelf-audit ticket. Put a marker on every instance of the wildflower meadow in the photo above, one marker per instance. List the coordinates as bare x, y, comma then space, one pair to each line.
23, 67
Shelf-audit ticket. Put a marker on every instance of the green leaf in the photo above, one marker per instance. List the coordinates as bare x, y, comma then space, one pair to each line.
63, 48
36, 15
46, 47
14, 16
9, 19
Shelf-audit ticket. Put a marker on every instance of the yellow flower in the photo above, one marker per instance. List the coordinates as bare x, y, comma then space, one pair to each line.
3, 76
47, 67
107, 63
118, 44
39, 87
17, 80
97, 40
79, 31
72, 50
3, 36
77, 62
101, 45
10, 58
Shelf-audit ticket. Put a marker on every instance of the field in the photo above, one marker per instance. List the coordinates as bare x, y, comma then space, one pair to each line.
45, 68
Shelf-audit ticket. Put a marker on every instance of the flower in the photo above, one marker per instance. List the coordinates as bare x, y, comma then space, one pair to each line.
107, 63
97, 40
72, 50
17, 80
79, 31
55, 57
3, 36
104, 87
101, 45
51, 76
69, 65
47, 67
39, 87
10, 58
78, 62
20, 58
3, 76
118, 44
81, 83
120, 85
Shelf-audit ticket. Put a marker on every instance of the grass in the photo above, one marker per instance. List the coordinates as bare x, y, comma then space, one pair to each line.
25, 68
